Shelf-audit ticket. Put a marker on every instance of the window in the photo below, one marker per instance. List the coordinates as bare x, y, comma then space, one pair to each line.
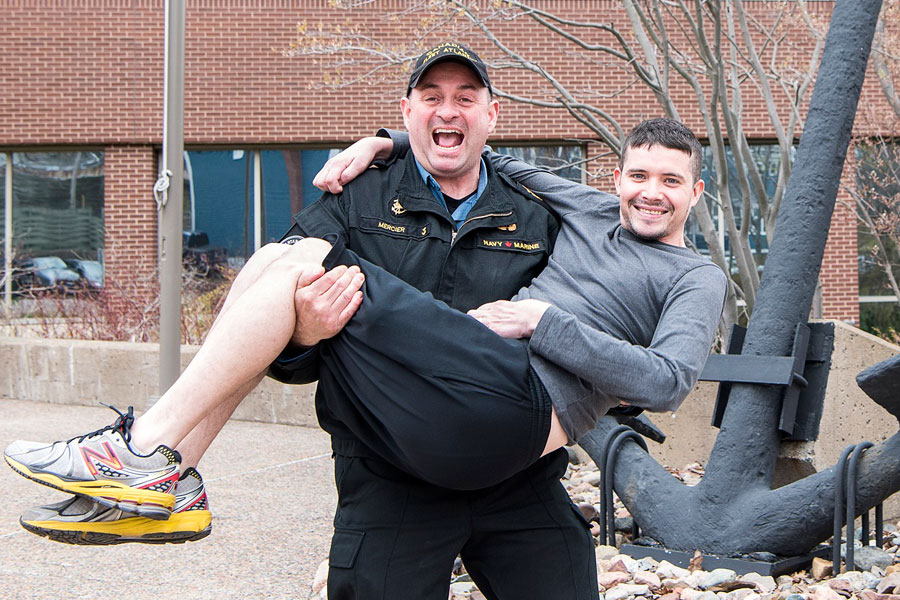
877, 195
565, 161
56, 209
5, 236
58, 204
242, 199
767, 158
218, 198
288, 176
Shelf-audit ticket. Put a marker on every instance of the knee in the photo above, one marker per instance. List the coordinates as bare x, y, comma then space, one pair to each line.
266, 255
305, 251
290, 261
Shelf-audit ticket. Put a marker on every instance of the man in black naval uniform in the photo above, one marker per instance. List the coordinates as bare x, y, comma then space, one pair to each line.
446, 222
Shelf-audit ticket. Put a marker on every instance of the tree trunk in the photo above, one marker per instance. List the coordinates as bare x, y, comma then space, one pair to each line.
734, 508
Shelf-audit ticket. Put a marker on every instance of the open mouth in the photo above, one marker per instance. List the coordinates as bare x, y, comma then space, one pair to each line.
447, 139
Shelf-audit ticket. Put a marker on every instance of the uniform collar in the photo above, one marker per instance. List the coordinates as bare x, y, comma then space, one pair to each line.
460, 214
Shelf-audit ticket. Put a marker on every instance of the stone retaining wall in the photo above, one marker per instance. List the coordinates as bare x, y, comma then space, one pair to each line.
122, 374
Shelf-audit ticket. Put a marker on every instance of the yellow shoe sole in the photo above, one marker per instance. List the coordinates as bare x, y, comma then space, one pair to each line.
144, 503
188, 526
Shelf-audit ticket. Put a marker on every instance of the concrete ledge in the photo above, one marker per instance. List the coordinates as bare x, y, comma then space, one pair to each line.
122, 374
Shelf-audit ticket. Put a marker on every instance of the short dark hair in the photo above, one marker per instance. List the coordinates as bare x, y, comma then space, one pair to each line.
668, 133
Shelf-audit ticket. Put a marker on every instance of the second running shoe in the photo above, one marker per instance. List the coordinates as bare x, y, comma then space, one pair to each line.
82, 521
103, 465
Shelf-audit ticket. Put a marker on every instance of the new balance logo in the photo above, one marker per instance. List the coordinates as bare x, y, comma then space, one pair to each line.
91, 457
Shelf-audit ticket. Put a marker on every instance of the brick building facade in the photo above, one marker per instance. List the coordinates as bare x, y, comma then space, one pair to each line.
88, 74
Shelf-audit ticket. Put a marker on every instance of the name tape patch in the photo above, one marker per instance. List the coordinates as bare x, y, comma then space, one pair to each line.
521, 245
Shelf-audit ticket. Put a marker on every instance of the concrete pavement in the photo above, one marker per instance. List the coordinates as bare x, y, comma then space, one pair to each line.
271, 492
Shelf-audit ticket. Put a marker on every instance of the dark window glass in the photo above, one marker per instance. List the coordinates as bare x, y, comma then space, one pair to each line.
767, 158
565, 161
287, 186
880, 318
878, 190
2, 201
58, 204
220, 195
218, 199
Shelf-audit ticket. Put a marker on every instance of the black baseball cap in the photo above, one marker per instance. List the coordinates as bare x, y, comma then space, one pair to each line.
449, 51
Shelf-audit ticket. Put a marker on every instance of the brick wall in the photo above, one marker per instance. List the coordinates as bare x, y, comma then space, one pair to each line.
131, 220
89, 73
840, 271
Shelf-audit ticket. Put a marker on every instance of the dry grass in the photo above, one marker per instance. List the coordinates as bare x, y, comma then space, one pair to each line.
123, 311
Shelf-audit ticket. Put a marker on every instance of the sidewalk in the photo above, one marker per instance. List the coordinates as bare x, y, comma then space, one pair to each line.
271, 492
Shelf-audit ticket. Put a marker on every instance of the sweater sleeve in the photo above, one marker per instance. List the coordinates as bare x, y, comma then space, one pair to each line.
562, 195
658, 377
400, 140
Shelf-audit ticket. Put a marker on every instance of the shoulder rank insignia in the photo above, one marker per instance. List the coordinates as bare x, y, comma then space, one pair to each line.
396, 208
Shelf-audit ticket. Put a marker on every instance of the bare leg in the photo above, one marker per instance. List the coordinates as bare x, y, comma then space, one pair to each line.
254, 326
195, 444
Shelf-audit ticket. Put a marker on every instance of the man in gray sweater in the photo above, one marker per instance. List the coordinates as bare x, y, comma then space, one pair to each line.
623, 313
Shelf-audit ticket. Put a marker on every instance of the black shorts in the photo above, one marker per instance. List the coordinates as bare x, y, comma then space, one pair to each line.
430, 389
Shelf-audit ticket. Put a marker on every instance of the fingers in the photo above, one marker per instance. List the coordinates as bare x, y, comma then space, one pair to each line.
349, 281
477, 316
339, 170
324, 306
352, 170
345, 290
334, 289
347, 165
328, 179
493, 306
351, 308
307, 276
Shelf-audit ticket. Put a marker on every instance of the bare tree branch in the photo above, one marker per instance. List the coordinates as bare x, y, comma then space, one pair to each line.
719, 50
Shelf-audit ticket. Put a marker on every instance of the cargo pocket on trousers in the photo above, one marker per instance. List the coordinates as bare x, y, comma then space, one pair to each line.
345, 545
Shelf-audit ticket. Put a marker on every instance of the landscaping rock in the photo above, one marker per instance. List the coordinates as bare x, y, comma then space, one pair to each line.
867, 557
667, 570
764, 583
625, 590
648, 578
889, 584
717, 577
612, 579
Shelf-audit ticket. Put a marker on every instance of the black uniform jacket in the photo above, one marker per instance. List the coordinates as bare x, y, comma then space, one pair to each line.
388, 216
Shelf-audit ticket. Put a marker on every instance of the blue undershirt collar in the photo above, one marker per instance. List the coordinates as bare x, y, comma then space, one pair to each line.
459, 215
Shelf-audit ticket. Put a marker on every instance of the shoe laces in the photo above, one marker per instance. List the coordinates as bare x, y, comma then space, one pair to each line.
121, 425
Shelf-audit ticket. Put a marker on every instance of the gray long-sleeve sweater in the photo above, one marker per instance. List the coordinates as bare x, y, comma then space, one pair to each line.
631, 319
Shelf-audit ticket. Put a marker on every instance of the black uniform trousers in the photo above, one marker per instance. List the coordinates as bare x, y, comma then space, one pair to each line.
431, 389
457, 420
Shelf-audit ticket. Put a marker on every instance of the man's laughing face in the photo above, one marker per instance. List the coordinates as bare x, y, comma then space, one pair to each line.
449, 115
